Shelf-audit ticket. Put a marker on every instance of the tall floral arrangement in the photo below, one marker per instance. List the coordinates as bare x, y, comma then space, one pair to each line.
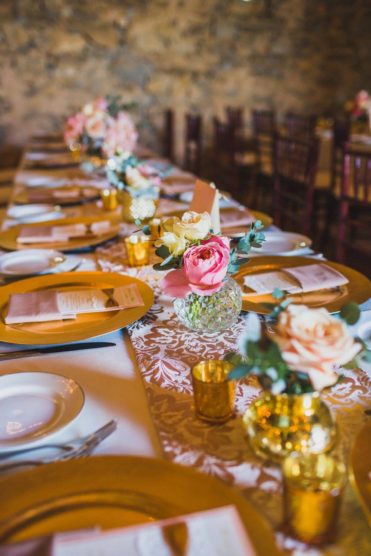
102, 126
359, 107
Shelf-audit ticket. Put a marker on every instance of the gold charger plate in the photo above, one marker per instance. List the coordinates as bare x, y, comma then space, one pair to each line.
8, 238
24, 197
116, 491
84, 326
358, 289
360, 469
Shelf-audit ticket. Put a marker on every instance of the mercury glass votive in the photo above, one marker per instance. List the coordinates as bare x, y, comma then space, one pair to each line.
137, 249
313, 485
109, 198
214, 394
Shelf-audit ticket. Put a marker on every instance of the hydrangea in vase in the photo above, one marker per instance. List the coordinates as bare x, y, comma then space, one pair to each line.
137, 185
293, 361
207, 299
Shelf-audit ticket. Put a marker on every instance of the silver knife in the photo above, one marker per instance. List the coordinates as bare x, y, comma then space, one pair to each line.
6, 356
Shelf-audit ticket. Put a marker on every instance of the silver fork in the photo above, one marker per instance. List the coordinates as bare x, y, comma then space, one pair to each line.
82, 447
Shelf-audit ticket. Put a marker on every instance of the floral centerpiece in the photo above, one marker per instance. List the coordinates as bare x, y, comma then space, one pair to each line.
199, 264
102, 127
137, 185
293, 360
360, 107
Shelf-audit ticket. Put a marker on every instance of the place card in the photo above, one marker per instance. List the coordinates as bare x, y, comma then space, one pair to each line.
44, 306
55, 234
206, 199
300, 279
217, 532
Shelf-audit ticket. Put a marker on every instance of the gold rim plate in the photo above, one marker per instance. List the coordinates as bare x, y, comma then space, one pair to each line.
358, 289
22, 198
8, 238
360, 469
116, 491
84, 326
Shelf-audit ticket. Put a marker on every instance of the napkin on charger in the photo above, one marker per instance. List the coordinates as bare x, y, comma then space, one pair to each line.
55, 234
231, 217
299, 279
50, 305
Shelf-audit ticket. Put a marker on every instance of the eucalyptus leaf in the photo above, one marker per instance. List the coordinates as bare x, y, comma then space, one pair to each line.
350, 313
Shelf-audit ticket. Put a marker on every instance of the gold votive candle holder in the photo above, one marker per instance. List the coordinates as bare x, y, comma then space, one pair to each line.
214, 394
155, 228
109, 198
313, 486
137, 249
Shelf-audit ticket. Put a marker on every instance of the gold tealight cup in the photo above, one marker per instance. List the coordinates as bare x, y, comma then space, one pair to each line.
313, 485
155, 228
137, 249
109, 198
214, 394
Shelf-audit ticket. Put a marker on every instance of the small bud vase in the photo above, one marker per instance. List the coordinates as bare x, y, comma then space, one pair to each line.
283, 423
211, 313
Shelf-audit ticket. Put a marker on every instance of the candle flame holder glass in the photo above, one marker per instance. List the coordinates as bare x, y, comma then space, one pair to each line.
214, 394
109, 198
313, 485
137, 248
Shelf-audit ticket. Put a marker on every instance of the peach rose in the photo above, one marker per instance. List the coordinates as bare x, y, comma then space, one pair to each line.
314, 342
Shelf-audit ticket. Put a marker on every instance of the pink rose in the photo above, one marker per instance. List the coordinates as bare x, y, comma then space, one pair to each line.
96, 125
74, 127
204, 269
121, 135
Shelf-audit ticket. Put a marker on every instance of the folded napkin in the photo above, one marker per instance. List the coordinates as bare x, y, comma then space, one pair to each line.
176, 186
52, 234
44, 306
231, 217
299, 279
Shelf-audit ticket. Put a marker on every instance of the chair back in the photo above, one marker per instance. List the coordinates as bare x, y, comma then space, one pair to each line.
341, 135
193, 143
235, 117
300, 126
168, 137
295, 165
355, 207
264, 128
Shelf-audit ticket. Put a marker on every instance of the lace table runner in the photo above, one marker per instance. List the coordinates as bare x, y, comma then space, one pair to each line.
166, 351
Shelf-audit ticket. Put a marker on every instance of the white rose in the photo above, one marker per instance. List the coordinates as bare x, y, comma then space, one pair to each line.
193, 226
135, 179
314, 342
176, 245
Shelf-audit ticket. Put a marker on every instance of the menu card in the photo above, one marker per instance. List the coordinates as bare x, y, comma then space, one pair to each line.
55, 234
297, 279
44, 306
216, 532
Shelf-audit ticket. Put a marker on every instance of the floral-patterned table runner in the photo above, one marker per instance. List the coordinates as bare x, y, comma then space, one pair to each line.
166, 351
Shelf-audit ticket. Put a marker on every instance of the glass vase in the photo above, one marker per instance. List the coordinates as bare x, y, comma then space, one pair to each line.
279, 424
211, 313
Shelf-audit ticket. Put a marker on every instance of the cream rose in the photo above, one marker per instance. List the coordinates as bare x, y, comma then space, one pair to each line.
176, 245
314, 342
193, 226
135, 179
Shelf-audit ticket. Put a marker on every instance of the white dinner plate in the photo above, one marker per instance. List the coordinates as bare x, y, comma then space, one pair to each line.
34, 212
36, 405
35, 261
281, 243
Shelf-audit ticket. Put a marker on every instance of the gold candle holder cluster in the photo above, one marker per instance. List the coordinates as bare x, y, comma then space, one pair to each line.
109, 198
137, 249
214, 394
313, 485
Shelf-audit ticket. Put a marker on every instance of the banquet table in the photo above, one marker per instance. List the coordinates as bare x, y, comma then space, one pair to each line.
144, 383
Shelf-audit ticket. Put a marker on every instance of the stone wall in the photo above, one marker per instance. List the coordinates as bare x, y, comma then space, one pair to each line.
307, 55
